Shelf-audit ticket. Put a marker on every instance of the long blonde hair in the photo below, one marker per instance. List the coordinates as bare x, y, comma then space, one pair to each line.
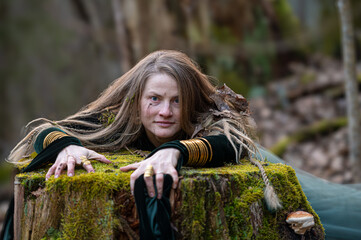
204, 111
122, 98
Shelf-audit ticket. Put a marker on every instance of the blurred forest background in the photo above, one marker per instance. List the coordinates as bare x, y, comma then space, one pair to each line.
284, 55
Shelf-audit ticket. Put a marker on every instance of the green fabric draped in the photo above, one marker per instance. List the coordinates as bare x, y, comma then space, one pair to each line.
154, 214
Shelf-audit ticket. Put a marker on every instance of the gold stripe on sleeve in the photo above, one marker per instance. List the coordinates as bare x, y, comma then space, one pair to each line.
51, 137
199, 151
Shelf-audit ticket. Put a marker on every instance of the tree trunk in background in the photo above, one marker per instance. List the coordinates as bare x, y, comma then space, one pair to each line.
124, 54
133, 18
97, 25
351, 88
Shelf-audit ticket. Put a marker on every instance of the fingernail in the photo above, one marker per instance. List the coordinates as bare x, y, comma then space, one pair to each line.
70, 174
46, 179
56, 176
151, 194
159, 196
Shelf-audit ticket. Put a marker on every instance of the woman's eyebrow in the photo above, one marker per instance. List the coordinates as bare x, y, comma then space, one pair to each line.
152, 92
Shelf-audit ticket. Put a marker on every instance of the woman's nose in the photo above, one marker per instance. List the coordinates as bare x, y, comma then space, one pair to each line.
166, 110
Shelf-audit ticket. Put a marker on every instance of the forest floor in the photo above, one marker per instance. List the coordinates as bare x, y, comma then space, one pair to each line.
303, 118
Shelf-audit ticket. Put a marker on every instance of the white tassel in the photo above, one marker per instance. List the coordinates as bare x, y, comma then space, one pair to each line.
272, 201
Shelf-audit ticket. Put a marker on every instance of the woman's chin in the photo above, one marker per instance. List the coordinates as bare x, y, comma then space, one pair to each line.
160, 137
166, 137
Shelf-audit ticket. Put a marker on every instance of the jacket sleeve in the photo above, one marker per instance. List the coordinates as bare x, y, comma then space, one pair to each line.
209, 151
52, 136
48, 144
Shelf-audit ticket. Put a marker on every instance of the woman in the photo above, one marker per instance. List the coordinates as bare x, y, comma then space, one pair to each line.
161, 104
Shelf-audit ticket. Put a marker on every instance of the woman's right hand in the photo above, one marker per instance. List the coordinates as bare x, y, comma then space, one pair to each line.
163, 162
70, 156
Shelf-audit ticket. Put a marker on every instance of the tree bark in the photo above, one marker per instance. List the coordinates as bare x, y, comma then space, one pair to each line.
351, 88
18, 206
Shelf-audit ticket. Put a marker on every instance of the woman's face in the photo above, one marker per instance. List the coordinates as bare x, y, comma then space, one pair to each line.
160, 109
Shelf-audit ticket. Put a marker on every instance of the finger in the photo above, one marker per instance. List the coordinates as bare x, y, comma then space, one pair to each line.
88, 167
175, 177
150, 187
133, 177
59, 169
97, 156
171, 199
71, 166
159, 179
129, 167
50, 172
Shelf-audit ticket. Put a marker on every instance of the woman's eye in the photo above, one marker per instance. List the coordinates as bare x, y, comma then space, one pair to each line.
176, 100
154, 98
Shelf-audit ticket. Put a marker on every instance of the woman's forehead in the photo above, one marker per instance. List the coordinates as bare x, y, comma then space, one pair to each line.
161, 82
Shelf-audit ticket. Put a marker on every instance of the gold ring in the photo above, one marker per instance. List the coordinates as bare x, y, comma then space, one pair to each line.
86, 163
148, 171
84, 160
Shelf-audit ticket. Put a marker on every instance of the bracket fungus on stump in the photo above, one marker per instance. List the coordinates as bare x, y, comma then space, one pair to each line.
300, 221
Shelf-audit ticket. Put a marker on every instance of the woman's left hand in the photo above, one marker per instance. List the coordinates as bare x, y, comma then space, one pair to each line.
163, 162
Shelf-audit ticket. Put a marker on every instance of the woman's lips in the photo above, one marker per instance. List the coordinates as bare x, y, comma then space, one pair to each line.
164, 123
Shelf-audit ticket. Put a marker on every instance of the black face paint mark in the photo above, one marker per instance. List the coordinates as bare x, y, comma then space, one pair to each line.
150, 104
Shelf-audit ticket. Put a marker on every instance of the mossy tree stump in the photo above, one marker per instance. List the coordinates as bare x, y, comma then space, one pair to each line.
218, 203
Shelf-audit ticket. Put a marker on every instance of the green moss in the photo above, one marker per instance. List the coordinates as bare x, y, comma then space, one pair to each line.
32, 181
92, 214
215, 201
52, 234
89, 210
244, 186
89, 218
193, 194
107, 118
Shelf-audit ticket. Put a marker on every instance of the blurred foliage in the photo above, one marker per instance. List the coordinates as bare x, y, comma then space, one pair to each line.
58, 55
324, 36
5, 173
